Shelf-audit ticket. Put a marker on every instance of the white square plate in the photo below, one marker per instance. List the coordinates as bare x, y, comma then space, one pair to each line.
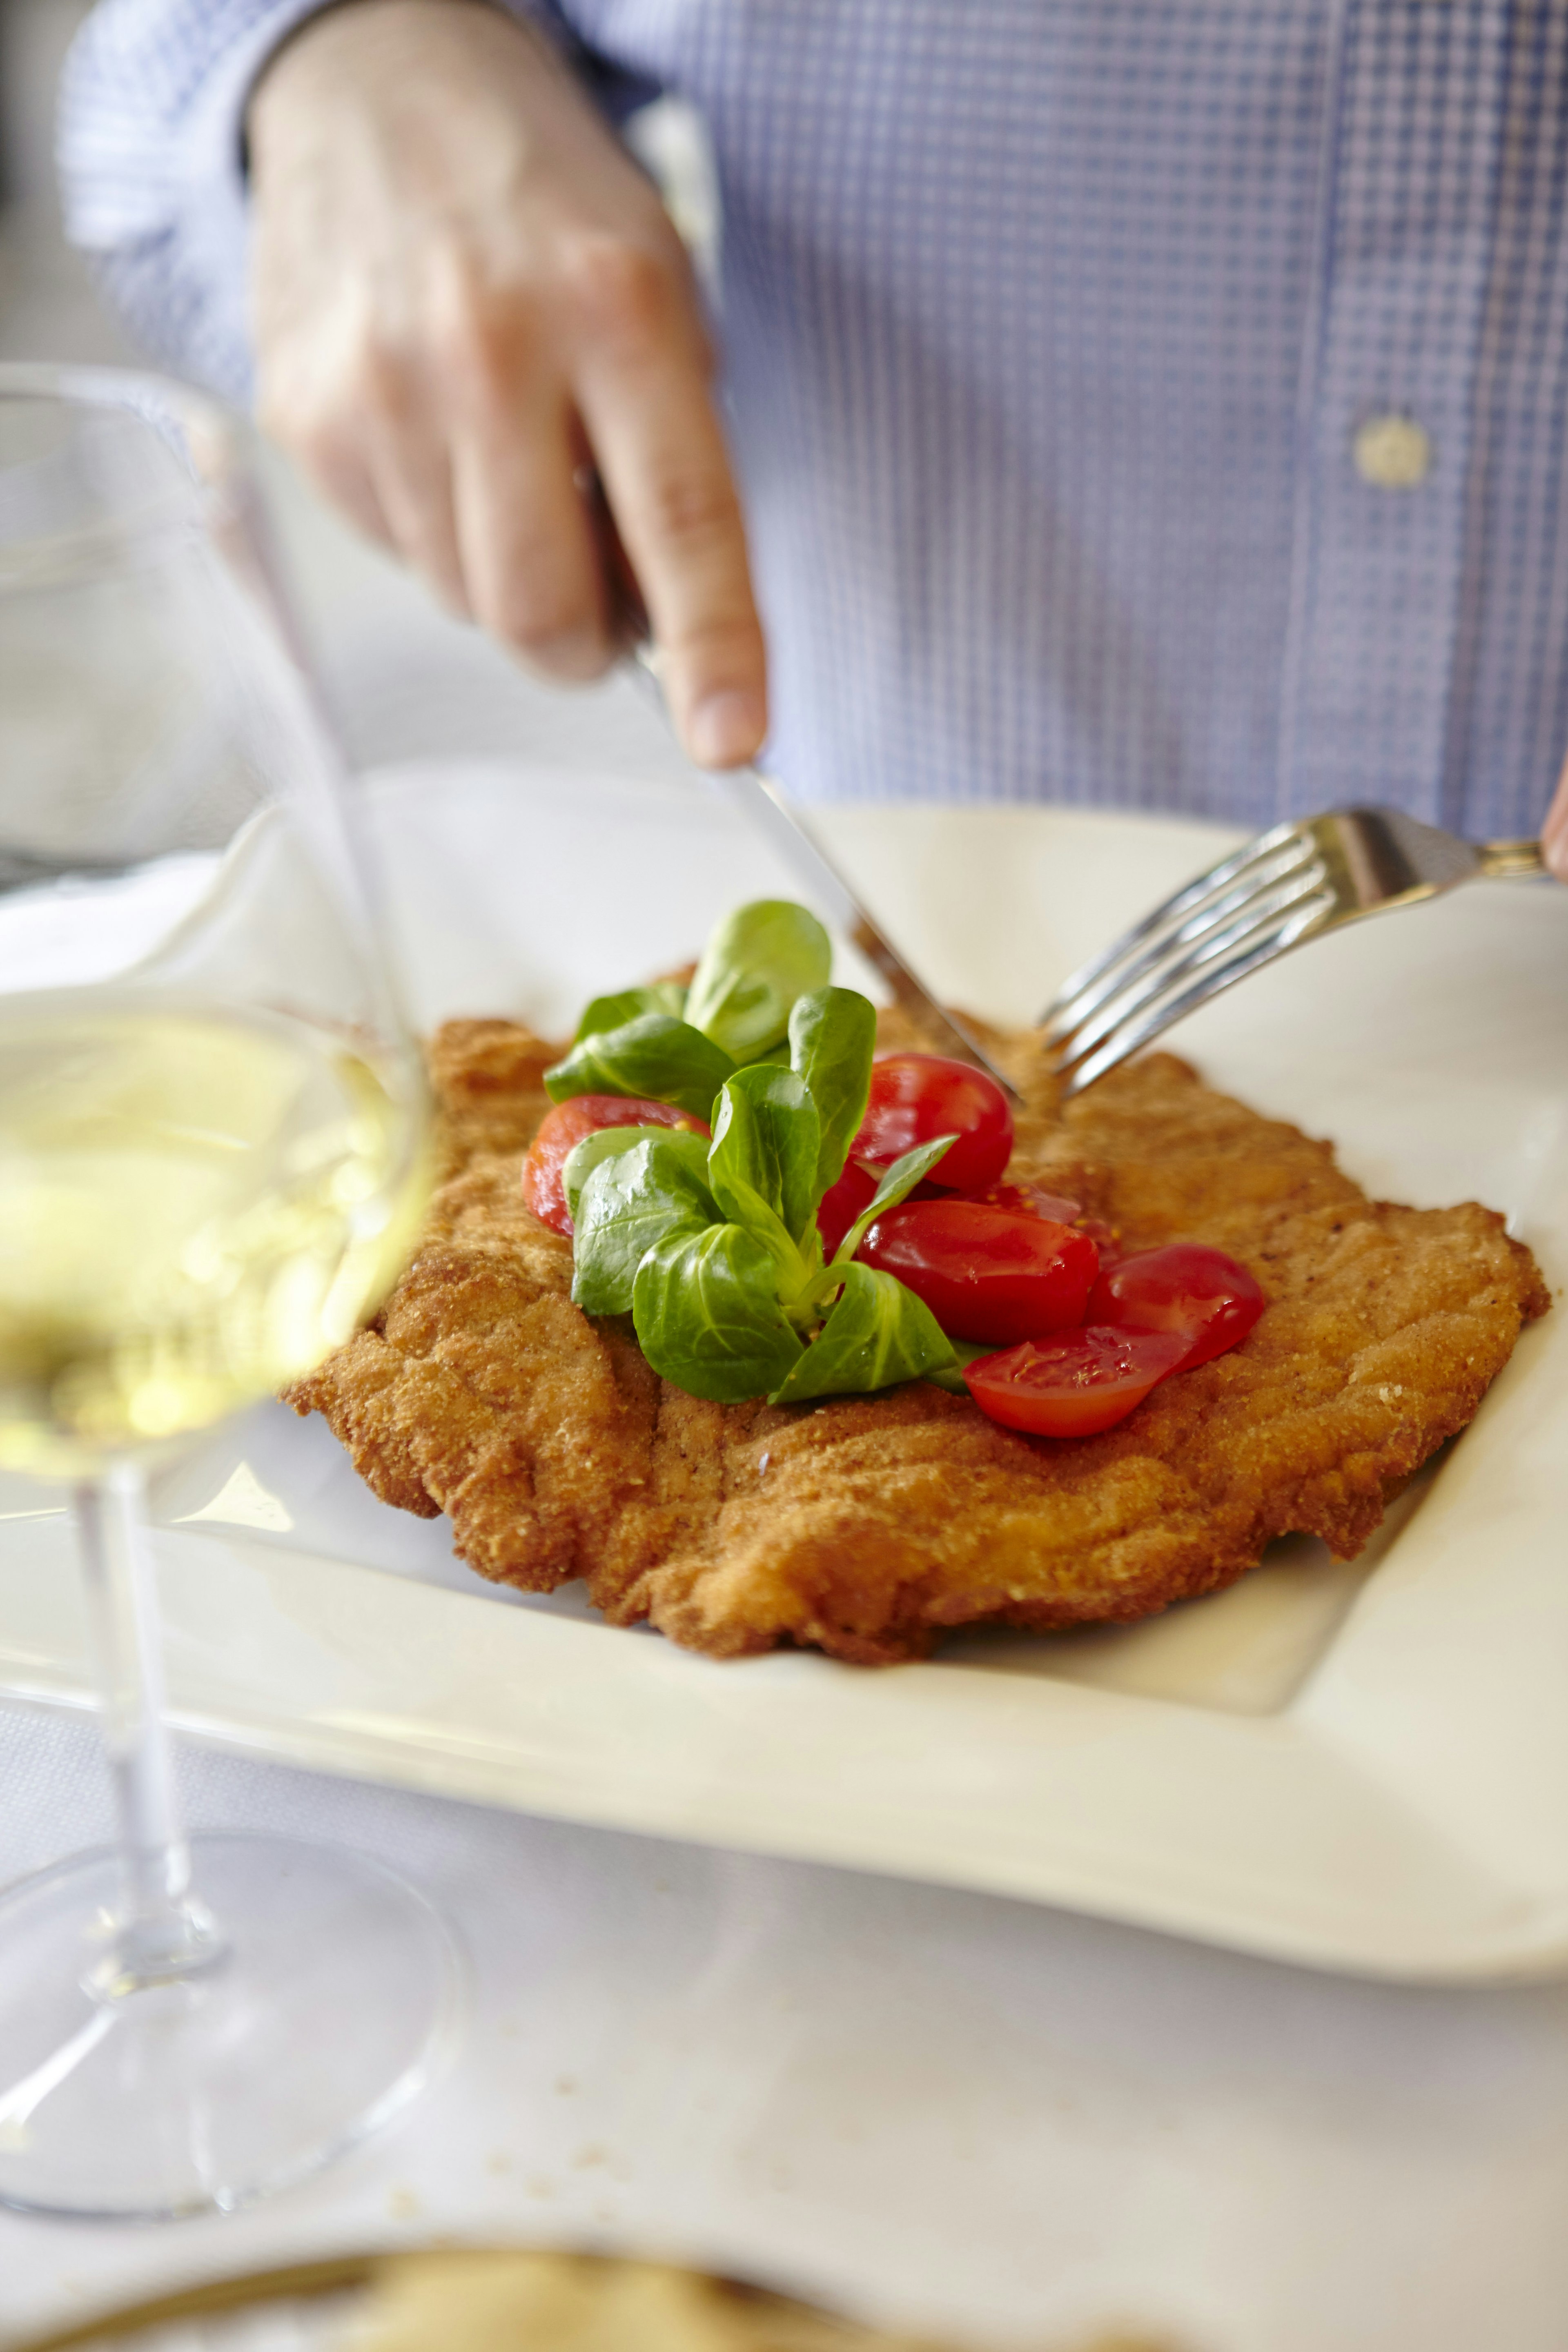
1361, 1766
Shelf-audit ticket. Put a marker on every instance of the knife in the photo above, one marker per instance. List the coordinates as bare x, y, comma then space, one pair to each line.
764, 807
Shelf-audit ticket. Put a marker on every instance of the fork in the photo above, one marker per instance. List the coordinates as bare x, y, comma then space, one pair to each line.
1291, 885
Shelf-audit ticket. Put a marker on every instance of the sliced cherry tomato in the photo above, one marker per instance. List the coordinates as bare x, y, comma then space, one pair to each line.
1107, 1240
985, 1273
565, 1125
855, 1191
1034, 1200
842, 1203
1076, 1384
1183, 1287
1031, 1200
917, 1097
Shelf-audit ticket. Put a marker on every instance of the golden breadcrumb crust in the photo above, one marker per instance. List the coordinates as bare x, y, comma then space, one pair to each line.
867, 1526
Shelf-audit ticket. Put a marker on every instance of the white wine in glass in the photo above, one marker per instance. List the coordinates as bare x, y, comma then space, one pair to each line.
212, 1165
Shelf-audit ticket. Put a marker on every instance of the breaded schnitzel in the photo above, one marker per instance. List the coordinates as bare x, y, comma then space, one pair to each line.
867, 1526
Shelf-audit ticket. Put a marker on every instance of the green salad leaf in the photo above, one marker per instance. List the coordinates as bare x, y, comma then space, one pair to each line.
629, 1004
897, 1182
876, 1333
713, 1245
765, 1146
608, 1142
757, 961
709, 1318
653, 1054
628, 1204
832, 1037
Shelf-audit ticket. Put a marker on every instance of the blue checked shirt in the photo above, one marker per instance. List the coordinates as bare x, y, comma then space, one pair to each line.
1156, 404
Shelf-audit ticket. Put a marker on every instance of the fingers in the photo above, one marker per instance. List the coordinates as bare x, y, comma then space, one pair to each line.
642, 388
458, 305
462, 291
410, 473
331, 458
471, 471
1555, 831
531, 568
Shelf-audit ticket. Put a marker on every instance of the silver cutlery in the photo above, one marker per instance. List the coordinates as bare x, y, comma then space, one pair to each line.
1292, 883
764, 805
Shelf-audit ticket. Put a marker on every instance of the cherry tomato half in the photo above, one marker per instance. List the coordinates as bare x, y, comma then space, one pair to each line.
842, 1203
917, 1097
565, 1125
1183, 1287
985, 1273
1034, 1200
1076, 1384
1031, 1200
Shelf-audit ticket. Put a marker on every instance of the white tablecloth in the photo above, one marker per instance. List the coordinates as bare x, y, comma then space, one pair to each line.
939, 2107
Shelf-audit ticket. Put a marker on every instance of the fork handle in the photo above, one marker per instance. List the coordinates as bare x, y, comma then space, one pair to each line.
1503, 861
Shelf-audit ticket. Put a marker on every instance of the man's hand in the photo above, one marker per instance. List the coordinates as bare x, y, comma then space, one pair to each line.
465, 295
1555, 831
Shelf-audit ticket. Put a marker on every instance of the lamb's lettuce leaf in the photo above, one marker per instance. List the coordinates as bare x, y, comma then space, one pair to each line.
756, 964
654, 1055
630, 1004
713, 1246
627, 1205
897, 1182
706, 1306
832, 1037
608, 1142
765, 1146
876, 1333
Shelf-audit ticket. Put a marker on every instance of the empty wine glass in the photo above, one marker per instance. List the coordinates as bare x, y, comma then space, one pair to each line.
212, 1162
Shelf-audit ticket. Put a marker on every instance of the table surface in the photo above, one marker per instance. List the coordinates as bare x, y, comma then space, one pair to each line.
971, 2115
976, 2116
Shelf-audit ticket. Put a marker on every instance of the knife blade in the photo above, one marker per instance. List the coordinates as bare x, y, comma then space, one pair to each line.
763, 806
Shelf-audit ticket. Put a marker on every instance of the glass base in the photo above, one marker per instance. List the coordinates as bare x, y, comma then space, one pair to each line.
330, 2010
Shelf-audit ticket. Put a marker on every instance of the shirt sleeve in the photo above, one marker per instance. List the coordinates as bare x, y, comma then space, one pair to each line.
152, 166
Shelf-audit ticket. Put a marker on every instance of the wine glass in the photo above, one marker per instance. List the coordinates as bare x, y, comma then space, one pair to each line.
212, 1159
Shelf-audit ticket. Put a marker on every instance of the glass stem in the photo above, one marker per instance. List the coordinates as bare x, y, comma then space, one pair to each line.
162, 1930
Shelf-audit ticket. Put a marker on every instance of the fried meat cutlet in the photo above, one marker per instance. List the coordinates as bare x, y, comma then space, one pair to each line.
867, 1526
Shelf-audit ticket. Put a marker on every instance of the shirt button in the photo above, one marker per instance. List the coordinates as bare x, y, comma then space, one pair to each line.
1392, 453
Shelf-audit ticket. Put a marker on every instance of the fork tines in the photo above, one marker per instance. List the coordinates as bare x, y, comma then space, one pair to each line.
1268, 896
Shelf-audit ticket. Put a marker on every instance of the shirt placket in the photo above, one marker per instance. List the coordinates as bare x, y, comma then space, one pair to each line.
1408, 192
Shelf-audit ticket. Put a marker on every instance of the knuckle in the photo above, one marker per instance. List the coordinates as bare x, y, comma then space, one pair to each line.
691, 509
477, 347
723, 648
478, 330
378, 381
623, 294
